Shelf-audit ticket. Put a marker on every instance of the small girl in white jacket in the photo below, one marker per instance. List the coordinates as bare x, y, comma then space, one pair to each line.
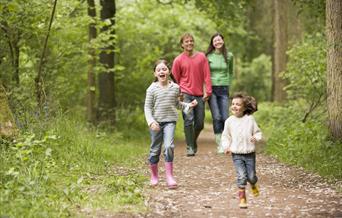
239, 136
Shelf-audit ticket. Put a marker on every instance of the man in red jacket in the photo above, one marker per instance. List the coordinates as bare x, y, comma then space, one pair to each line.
191, 71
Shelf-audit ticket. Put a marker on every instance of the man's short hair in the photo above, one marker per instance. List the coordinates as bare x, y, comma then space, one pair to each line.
185, 35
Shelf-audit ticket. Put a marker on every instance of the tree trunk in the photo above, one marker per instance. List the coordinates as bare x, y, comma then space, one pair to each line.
91, 110
280, 47
334, 66
273, 74
106, 78
7, 124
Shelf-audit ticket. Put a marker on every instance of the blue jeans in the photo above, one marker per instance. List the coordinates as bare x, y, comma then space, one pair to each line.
219, 103
164, 136
193, 121
245, 169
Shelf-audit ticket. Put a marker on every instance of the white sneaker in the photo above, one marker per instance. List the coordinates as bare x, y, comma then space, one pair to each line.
220, 149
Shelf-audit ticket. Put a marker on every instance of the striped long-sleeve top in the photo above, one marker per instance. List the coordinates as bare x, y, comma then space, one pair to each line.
161, 103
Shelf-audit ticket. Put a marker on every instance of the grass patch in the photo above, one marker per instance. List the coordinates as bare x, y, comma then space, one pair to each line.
302, 144
70, 169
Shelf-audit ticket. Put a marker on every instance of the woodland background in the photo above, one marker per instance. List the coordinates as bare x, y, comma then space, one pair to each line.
73, 76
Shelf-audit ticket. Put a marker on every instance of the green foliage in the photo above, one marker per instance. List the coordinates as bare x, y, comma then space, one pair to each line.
302, 144
127, 188
25, 177
255, 78
131, 121
306, 68
312, 14
141, 43
49, 175
258, 26
306, 71
24, 26
230, 19
66, 67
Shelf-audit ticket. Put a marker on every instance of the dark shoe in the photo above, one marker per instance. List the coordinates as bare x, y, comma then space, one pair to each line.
190, 154
195, 147
190, 140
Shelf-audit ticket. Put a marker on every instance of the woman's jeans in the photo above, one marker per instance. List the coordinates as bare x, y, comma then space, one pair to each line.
193, 122
164, 136
245, 169
219, 103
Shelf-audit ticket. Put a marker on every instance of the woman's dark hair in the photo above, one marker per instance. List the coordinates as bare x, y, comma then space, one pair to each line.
249, 103
211, 47
167, 65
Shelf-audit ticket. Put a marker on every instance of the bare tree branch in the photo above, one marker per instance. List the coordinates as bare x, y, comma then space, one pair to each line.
39, 80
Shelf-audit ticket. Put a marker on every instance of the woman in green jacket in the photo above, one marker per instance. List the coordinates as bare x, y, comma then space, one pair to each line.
221, 70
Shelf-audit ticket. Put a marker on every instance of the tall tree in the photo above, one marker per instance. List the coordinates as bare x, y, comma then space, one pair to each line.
91, 110
334, 66
106, 77
280, 47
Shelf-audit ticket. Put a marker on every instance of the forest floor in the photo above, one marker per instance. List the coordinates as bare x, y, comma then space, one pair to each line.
207, 188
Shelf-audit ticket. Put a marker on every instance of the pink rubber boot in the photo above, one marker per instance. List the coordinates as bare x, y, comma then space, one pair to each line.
171, 183
154, 174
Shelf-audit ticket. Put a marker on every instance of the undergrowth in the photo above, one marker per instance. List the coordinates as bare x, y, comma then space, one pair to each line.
303, 144
69, 169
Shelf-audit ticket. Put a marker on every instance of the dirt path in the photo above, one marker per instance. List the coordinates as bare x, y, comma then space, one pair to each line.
207, 188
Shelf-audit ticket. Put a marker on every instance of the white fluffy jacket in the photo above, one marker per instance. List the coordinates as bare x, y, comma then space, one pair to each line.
237, 134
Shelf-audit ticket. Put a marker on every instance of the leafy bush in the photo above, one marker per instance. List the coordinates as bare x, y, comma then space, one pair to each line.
306, 72
140, 44
131, 121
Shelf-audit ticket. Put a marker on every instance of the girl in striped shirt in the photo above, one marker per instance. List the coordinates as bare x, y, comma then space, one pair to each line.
161, 103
